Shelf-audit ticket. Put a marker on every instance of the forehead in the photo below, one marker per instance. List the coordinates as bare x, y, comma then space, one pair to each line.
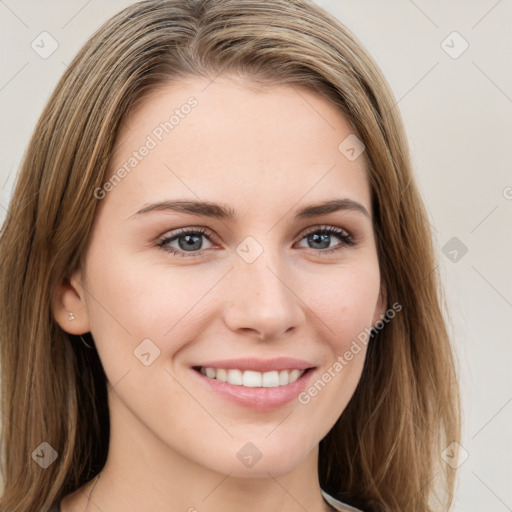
237, 141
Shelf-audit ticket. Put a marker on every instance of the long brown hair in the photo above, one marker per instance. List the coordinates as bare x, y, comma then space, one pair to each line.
384, 452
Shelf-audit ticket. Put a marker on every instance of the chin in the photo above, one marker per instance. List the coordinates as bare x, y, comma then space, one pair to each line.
259, 459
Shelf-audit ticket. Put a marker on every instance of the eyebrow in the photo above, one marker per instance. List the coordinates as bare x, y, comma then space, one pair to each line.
218, 211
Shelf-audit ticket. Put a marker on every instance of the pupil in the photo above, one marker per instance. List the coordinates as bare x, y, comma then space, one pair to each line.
192, 242
322, 239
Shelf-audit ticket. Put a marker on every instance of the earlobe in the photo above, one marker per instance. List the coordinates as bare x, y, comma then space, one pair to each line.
69, 306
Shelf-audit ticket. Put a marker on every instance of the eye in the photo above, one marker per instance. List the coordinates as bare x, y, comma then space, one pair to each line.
188, 240
322, 237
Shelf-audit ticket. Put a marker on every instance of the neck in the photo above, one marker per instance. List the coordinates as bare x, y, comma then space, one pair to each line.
143, 473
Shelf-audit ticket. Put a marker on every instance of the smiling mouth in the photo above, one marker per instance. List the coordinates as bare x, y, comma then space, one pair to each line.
253, 379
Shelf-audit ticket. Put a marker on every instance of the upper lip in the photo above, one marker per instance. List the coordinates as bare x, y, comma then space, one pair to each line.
259, 365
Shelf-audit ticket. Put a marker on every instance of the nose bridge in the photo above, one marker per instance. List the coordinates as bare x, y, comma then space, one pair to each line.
260, 297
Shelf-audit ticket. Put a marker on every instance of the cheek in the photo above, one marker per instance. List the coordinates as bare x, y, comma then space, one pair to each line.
345, 300
346, 305
130, 301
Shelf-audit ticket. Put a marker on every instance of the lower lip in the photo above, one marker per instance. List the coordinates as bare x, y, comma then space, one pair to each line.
260, 398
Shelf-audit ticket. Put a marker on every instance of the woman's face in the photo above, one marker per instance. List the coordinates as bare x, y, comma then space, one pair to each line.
212, 250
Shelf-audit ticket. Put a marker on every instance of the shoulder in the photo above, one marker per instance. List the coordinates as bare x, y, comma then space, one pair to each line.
338, 505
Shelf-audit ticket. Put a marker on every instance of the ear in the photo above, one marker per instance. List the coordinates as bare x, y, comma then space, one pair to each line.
69, 306
381, 306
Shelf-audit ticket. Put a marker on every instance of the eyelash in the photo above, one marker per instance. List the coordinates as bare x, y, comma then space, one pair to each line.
341, 234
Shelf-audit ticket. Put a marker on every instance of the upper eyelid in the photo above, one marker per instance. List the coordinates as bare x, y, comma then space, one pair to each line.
174, 233
323, 227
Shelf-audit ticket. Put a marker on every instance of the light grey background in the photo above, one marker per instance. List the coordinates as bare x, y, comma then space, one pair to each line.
458, 116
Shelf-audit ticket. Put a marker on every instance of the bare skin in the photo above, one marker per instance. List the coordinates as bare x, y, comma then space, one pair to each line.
264, 153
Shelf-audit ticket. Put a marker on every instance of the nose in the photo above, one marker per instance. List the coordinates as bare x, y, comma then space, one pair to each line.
261, 299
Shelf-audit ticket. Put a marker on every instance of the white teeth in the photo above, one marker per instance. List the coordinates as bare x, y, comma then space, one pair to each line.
234, 377
222, 375
252, 379
270, 379
294, 375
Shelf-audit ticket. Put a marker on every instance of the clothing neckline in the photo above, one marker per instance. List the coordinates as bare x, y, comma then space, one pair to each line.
338, 505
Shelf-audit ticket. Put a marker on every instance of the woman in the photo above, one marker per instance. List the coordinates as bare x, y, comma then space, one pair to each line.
218, 281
